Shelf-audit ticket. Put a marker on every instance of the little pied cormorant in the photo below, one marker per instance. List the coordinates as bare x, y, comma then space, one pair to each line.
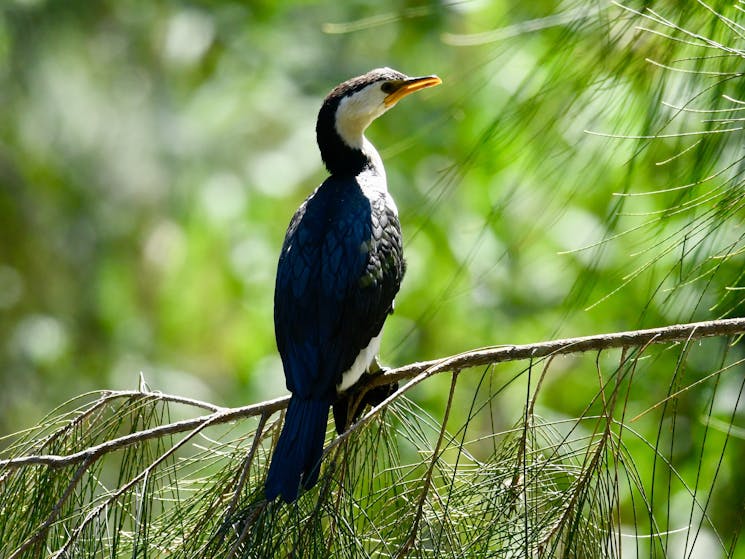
340, 267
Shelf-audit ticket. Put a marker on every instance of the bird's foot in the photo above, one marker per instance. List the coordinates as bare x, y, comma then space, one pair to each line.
376, 395
349, 407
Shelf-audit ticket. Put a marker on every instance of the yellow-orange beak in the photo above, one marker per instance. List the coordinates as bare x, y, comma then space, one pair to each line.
410, 86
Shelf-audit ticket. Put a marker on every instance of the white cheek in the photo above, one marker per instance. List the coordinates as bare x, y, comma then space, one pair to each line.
356, 112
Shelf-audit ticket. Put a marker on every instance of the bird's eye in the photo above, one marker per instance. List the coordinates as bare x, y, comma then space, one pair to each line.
388, 87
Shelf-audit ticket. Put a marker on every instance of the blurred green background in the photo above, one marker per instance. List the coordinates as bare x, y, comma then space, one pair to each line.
152, 154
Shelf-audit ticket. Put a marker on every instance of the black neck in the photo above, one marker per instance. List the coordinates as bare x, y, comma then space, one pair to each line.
339, 158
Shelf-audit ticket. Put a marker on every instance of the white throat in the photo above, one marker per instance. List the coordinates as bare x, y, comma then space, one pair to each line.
351, 126
351, 129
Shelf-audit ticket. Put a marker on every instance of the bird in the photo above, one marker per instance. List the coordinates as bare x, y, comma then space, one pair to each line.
340, 267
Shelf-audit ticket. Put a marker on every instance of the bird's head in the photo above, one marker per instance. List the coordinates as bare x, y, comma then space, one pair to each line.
352, 105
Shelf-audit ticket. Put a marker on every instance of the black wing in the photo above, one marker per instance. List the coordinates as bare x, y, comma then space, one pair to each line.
340, 269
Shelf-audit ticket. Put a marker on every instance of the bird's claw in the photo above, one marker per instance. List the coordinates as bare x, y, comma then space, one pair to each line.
371, 398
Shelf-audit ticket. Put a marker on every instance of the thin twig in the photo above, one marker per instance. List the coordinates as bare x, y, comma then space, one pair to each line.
409, 543
41, 531
243, 476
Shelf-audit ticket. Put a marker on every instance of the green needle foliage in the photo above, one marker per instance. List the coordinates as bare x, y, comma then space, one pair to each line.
403, 484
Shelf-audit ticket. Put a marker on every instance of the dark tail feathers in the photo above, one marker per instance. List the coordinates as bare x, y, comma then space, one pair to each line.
297, 457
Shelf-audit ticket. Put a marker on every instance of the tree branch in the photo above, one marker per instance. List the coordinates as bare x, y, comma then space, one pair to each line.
224, 415
422, 370
499, 354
